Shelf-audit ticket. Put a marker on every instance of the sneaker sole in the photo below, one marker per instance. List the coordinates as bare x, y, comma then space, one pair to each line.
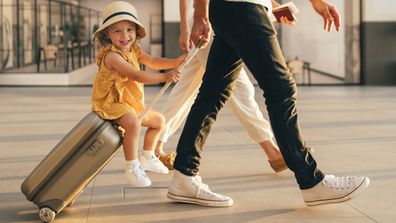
133, 184
156, 171
203, 202
365, 183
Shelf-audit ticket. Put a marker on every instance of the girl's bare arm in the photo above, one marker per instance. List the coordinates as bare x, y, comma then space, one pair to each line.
116, 62
160, 63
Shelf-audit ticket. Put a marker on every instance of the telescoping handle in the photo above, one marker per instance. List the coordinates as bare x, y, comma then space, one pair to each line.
190, 55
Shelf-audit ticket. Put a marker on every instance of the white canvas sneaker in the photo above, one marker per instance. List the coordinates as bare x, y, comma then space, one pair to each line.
137, 177
187, 189
334, 189
153, 164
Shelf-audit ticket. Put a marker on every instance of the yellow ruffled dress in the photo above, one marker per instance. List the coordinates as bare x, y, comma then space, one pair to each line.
114, 95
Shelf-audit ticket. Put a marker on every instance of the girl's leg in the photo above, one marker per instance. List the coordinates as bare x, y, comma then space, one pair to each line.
155, 122
134, 174
131, 124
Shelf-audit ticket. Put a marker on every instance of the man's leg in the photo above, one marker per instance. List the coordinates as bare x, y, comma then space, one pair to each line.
216, 87
252, 35
247, 28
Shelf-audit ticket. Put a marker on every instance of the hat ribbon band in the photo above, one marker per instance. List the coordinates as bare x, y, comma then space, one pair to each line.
118, 13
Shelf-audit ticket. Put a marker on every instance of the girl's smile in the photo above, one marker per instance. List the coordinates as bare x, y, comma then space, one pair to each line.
122, 34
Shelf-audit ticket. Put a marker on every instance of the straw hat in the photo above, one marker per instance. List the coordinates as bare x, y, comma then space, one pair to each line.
118, 11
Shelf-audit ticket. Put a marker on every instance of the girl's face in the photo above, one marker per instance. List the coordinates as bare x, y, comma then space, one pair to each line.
122, 34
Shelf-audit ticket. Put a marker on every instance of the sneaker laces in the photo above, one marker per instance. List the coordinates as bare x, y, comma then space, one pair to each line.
155, 159
338, 183
202, 187
138, 172
199, 180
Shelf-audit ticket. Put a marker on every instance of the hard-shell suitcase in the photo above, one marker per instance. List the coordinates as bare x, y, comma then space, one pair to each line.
71, 165
77, 159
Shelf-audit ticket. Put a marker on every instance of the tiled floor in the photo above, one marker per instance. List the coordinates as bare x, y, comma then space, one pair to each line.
352, 129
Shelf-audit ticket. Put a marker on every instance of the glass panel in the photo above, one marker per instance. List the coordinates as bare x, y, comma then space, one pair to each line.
56, 34
95, 17
7, 35
47, 36
28, 19
323, 51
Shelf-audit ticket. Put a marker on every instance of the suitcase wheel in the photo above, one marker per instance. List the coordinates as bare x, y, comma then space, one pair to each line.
46, 214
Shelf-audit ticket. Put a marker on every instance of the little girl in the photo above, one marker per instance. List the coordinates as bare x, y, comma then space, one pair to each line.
117, 92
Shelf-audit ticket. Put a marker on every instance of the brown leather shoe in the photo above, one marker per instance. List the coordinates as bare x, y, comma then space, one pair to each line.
168, 160
278, 165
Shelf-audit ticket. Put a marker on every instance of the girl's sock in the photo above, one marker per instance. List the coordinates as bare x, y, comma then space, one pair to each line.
132, 164
148, 154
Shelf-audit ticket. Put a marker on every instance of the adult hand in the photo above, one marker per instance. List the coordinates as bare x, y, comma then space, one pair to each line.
328, 12
201, 28
185, 42
285, 21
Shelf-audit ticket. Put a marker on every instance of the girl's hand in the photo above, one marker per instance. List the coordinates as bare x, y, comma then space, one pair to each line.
172, 75
180, 59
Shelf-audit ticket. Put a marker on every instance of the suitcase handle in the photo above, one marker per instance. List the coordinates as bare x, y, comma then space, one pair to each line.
95, 147
190, 55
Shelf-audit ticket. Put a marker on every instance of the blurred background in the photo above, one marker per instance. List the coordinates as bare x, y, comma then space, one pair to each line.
49, 42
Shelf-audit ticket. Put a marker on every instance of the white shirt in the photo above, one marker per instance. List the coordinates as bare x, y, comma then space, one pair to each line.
265, 3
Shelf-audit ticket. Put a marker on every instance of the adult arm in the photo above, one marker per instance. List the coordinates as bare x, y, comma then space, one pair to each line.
283, 20
201, 28
185, 42
328, 12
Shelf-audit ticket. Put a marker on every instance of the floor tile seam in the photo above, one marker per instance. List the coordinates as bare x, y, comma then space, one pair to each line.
353, 140
90, 201
328, 125
362, 212
312, 142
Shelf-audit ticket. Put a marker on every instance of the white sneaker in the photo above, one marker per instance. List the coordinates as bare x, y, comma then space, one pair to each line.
137, 177
334, 189
188, 189
153, 164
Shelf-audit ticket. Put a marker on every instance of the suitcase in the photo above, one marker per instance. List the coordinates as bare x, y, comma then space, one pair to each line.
71, 165
62, 175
